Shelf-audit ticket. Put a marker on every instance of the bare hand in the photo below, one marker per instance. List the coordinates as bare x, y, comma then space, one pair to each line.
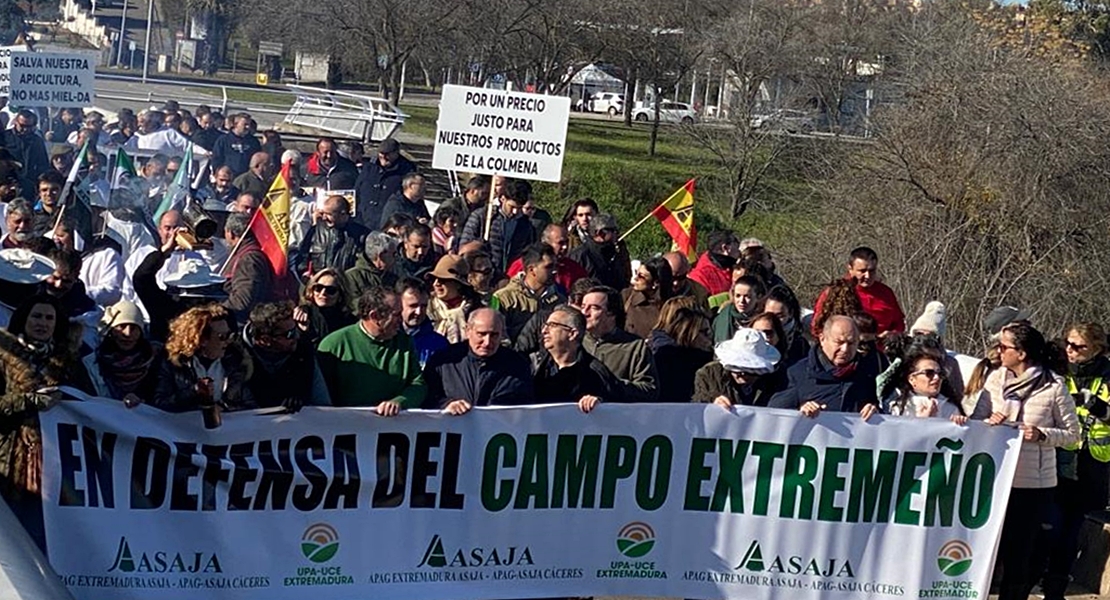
300, 317
1030, 433
996, 419
723, 402
812, 409
132, 400
959, 419
867, 410
588, 403
171, 244
389, 408
458, 407
929, 410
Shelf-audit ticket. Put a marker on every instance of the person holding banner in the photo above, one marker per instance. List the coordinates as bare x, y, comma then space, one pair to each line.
832, 377
563, 371
38, 352
915, 388
204, 368
1027, 395
744, 372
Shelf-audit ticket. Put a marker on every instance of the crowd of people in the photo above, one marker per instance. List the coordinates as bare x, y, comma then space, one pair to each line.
486, 300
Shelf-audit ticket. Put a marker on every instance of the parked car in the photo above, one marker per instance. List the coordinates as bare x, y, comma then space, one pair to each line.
669, 112
607, 102
784, 119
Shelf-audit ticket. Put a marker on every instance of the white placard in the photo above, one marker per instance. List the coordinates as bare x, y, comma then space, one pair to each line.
494, 132
52, 79
6, 67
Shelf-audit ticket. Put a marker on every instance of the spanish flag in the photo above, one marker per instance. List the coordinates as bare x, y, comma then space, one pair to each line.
677, 216
270, 223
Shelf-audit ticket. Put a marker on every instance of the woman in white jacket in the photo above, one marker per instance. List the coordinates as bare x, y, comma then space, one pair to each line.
1026, 394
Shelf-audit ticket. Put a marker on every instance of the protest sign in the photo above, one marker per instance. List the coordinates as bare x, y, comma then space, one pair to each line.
662, 500
6, 68
52, 79
496, 132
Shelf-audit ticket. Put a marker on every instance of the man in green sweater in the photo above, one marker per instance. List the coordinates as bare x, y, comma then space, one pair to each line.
373, 363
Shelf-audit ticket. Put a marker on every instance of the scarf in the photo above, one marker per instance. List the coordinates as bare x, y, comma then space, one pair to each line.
1016, 391
837, 372
124, 370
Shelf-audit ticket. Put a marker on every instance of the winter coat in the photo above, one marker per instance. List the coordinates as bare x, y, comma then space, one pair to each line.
714, 380
1050, 408
398, 203
375, 185
22, 373
323, 321
250, 280
586, 377
341, 176
365, 276
293, 379
177, 383
507, 237
727, 322
640, 312
331, 247
504, 379
629, 359
610, 265
518, 303
713, 272
427, 341
566, 272
29, 150
680, 365
235, 152
815, 379
449, 322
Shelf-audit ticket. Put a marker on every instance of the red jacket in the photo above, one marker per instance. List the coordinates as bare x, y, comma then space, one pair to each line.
878, 301
713, 278
566, 272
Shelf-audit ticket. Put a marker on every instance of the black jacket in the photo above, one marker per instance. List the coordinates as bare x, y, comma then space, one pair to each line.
453, 373
677, 366
610, 265
235, 152
341, 176
30, 150
586, 377
160, 306
713, 380
177, 382
814, 379
507, 237
398, 203
375, 185
206, 138
323, 321
326, 247
250, 280
274, 381
403, 267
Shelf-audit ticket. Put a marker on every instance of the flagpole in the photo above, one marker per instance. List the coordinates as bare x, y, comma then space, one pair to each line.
650, 215
239, 242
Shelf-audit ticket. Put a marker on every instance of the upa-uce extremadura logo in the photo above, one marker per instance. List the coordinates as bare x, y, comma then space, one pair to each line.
954, 558
320, 542
635, 539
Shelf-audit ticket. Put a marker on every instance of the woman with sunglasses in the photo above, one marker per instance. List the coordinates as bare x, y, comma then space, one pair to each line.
915, 388
1028, 396
1083, 469
651, 287
325, 306
452, 297
743, 372
204, 368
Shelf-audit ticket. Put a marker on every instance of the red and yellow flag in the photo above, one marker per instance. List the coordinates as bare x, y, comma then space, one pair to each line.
270, 223
677, 216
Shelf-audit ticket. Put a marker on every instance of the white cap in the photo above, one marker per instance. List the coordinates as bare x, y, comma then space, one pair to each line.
932, 320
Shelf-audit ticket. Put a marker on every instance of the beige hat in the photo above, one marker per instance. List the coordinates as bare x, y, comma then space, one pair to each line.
452, 267
933, 320
123, 312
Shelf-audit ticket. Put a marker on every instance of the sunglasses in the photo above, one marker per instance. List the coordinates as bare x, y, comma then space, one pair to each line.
1003, 347
1076, 347
327, 290
930, 373
482, 271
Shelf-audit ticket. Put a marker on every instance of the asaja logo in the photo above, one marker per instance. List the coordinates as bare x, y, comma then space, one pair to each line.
438, 555
635, 539
320, 542
954, 558
163, 561
794, 564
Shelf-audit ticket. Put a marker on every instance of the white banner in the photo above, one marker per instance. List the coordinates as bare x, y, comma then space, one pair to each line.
660, 500
52, 79
6, 67
495, 132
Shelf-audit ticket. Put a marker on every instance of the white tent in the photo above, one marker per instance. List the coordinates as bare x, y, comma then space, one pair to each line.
595, 77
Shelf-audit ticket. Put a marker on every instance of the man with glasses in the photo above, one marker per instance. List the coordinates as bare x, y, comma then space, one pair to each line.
94, 131
368, 363
478, 371
285, 370
564, 372
28, 149
378, 180
334, 242
832, 377
625, 355
682, 285
602, 256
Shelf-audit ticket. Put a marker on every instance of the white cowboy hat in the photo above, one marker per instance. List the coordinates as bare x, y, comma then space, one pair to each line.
747, 352
192, 273
19, 265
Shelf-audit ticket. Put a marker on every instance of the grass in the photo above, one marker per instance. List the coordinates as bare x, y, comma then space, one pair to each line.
609, 162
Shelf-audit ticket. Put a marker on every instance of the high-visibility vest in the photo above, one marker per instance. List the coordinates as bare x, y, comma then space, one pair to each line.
1096, 433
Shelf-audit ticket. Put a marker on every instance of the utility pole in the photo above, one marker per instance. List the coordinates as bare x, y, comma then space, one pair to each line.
146, 46
122, 32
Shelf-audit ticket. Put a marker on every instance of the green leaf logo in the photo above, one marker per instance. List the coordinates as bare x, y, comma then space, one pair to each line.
954, 558
320, 543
